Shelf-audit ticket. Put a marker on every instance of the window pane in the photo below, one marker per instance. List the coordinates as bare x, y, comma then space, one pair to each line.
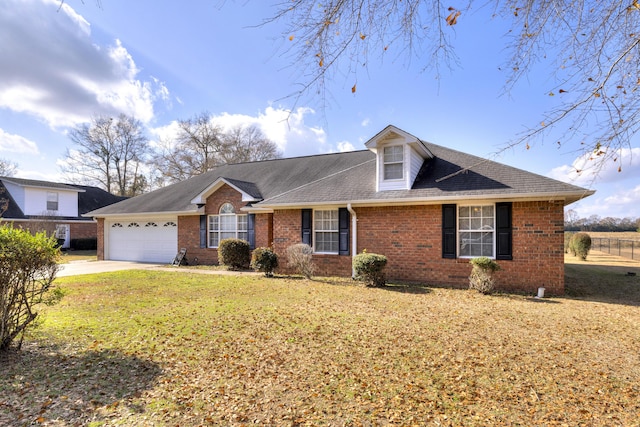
326, 242
213, 222
213, 239
326, 231
227, 223
227, 235
393, 171
227, 208
242, 222
393, 154
243, 235
476, 226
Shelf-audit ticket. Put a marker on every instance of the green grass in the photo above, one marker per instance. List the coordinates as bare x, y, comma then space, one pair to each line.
140, 348
71, 256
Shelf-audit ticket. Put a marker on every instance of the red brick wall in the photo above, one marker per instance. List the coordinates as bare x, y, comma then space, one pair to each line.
83, 231
189, 226
411, 239
100, 234
264, 230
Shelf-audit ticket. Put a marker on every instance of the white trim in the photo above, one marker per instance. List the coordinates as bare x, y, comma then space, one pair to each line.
458, 231
525, 197
49, 219
201, 198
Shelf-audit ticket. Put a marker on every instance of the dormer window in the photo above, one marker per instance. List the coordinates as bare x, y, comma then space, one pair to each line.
52, 201
393, 162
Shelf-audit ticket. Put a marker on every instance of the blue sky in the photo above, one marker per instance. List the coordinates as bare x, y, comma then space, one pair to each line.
165, 61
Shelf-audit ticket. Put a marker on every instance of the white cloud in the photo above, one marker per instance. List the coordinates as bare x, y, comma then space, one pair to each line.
52, 69
284, 127
365, 123
17, 144
587, 170
287, 129
345, 146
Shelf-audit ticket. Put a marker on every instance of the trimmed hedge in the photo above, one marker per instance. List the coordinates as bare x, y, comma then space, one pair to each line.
234, 253
370, 268
265, 260
580, 245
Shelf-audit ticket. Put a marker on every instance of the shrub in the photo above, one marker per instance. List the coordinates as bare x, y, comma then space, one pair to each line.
567, 241
481, 278
370, 268
299, 257
265, 260
234, 253
580, 245
27, 270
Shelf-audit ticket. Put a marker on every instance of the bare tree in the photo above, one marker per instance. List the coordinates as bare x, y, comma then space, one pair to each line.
7, 167
247, 144
109, 154
201, 144
594, 47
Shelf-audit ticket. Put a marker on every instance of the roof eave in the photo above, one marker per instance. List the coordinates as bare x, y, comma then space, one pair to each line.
568, 198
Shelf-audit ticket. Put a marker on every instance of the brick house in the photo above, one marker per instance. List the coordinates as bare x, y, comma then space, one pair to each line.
53, 207
428, 208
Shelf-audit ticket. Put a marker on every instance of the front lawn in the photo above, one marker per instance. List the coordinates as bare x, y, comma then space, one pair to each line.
141, 348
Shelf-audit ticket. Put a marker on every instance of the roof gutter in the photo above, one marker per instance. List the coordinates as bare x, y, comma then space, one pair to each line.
354, 237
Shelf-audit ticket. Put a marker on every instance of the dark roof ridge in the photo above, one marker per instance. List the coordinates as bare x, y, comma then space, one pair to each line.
286, 158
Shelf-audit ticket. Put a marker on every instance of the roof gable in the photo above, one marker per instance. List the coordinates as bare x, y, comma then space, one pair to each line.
248, 190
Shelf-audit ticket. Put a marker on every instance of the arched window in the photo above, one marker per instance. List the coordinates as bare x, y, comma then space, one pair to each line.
226, 225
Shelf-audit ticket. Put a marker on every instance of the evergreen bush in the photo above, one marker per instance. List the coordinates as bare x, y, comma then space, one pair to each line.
580, 245
265, 260
370, 268
234, 253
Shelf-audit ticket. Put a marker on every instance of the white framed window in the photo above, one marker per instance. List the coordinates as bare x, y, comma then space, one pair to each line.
326, 231
227, 225
476, 231
393, 162
52, 201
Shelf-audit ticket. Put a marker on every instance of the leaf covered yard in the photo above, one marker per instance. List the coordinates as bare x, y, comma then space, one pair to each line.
142, 348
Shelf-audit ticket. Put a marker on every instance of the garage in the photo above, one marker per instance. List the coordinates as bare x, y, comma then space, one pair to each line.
148, 240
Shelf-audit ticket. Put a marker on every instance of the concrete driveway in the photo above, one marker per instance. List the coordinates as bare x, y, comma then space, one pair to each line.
89, 267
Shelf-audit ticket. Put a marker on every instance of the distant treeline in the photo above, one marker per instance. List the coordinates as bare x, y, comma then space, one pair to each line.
596, 223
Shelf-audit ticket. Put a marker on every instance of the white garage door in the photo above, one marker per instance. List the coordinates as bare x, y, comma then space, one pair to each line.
152, 240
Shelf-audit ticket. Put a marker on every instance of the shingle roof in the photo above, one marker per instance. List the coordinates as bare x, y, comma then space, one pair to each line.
341, 178
269, 179
38, 183
450, 175
89, 198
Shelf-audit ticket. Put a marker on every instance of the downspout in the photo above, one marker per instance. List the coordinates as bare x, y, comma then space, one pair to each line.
354, 237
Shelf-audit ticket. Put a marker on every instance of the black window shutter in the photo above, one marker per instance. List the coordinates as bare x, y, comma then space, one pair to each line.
449, 231
203, 231
307, 214
251, 230
504, 231
343, 224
